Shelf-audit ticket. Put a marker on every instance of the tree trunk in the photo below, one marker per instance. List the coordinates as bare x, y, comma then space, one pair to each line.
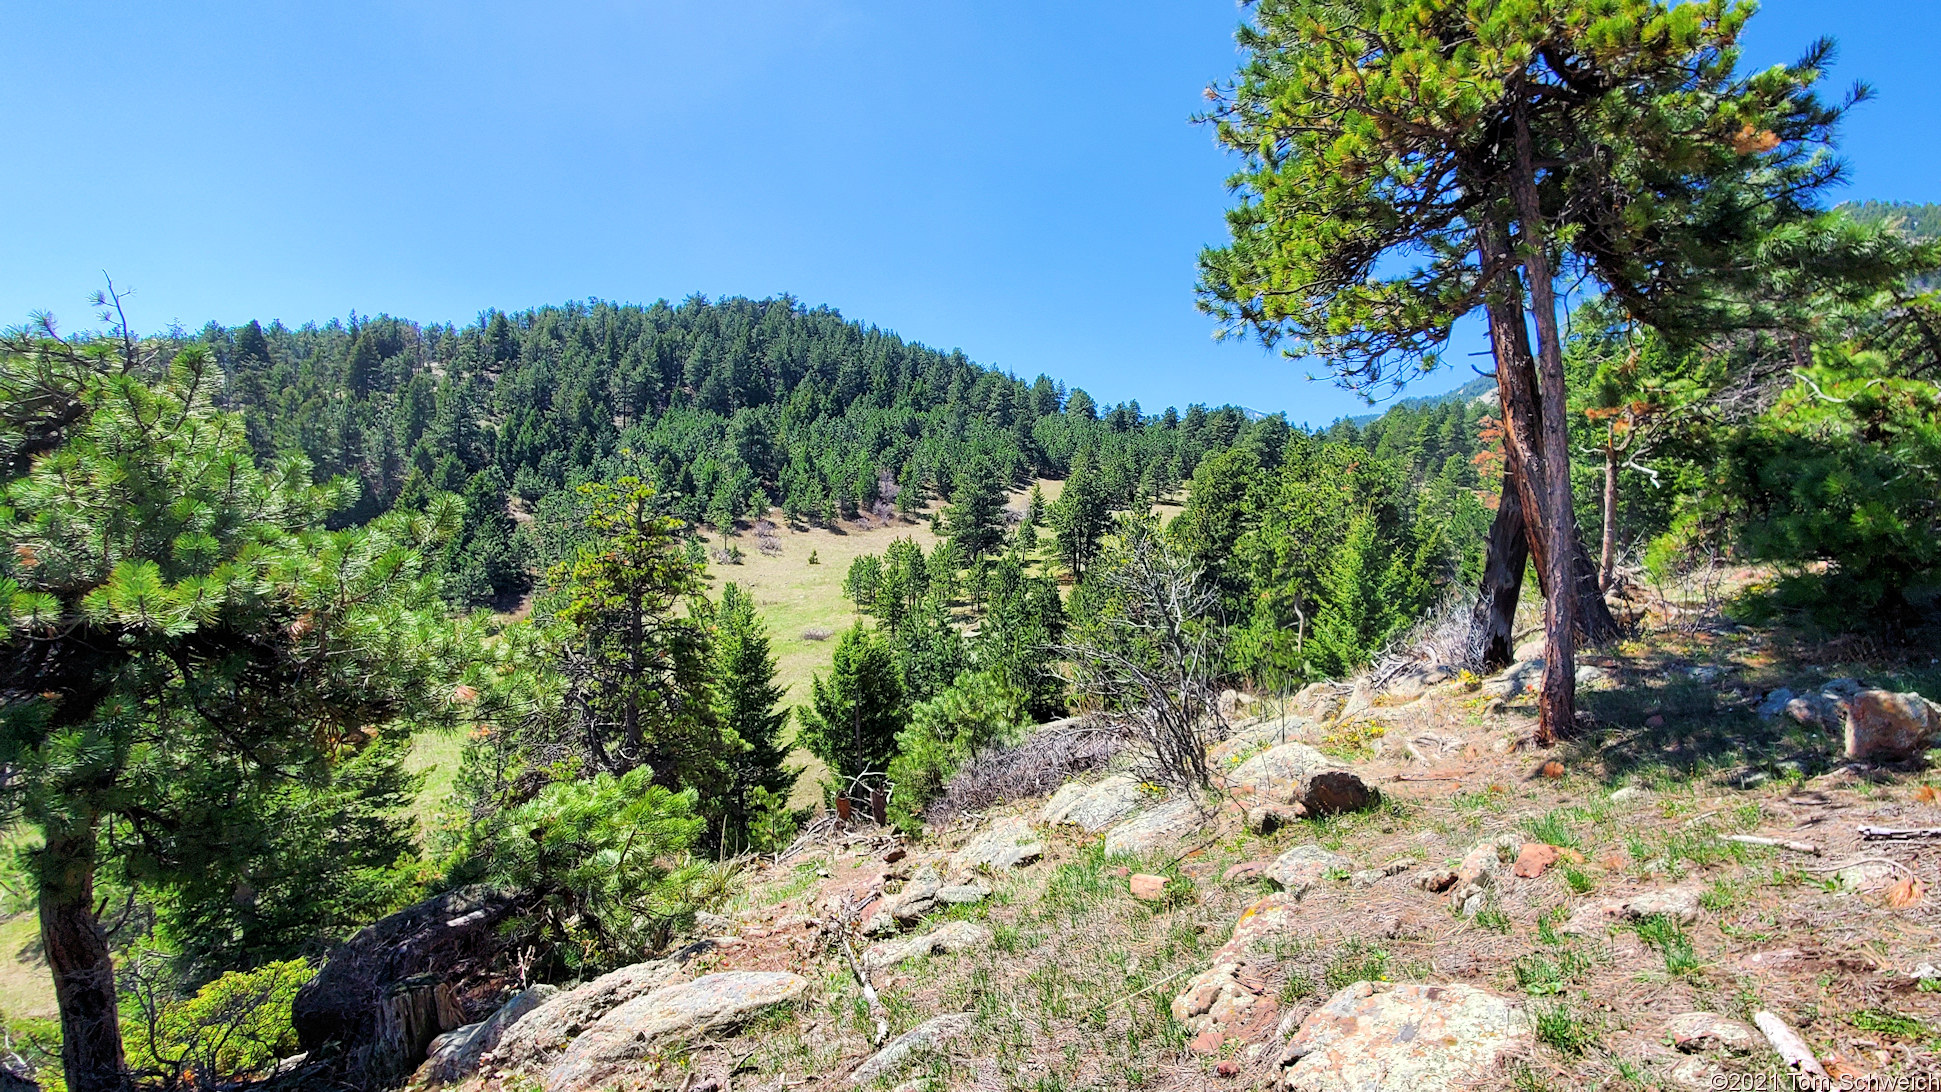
1509, 550
83, 970
1520, 405
1607, 557
1557, 707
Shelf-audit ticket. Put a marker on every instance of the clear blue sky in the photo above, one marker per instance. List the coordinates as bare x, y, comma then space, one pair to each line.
1016, 179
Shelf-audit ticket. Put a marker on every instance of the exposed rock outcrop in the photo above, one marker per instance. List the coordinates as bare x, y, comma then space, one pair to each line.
952, 936
928, 1035
1296, 774
1156, 828
1405, 1036
455, 1055
1006, 843
387, 992
681, 1011
550, 1027
1093, 807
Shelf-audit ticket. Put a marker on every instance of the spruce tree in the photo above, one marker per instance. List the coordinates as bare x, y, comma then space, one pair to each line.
748, 704
976, 518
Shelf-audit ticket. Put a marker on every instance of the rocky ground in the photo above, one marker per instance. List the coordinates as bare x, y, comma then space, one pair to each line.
1393, 889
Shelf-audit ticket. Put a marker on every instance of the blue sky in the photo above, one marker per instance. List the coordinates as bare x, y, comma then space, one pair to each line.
1016, 179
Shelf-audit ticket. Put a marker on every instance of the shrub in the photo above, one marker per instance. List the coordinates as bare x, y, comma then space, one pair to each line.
230, 1030
973, 713
605, 863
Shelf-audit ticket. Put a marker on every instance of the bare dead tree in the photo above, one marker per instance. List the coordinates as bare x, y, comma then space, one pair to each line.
1154, 652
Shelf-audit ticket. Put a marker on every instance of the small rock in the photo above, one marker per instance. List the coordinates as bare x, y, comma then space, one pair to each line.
895, 855
1655, 720
1264, 819
1589, 676
1679, 902
1868, 875
1925, 972
955, 936
1006, 843
1147, 887
1535, 859
1886, 727
928, 1035
1628, 793
1696, 1032
712, 925
1552, 769
1304, 866
1530, 651
1227, 1068
1366, 877
1207, 1042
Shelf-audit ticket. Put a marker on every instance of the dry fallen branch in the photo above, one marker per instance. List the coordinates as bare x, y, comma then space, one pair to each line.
1799, 1058
1781, 843
1899, 834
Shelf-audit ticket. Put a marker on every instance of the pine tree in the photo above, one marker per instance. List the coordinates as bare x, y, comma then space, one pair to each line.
748, 704
976, 518
1081, 517
857, 711
639, 666
162, 593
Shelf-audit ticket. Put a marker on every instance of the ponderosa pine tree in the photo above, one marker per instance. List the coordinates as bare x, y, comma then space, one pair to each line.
975, 519
1081, 516
182, 643
1409, 161
639, 668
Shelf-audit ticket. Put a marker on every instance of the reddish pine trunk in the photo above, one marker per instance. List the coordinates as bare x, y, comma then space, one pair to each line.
1557, 707
83, 970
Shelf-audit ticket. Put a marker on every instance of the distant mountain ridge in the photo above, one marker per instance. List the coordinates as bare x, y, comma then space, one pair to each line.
1475, 388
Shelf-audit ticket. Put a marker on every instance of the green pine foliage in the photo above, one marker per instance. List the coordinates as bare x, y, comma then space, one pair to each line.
604, 863
974, 712
748, 706
856, 713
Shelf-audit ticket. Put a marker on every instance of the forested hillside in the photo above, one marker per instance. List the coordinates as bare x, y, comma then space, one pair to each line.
389, 704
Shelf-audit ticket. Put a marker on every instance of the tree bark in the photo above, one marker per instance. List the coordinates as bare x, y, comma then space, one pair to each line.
1511, 544
1509, 550
1557, 706
1607, 556
83, 969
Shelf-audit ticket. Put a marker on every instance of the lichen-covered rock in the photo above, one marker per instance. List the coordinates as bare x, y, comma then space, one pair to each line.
1698, 1032
1297, 774
959, 894
455, 1055
550, 1027
1375, 1036
1006, 843
1265, 819
1093, 807
1679, 902
1231, 999
1886, 727
1304, 866
1249, 738
681, 1011
928, 1035
1155, 828
950, 937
